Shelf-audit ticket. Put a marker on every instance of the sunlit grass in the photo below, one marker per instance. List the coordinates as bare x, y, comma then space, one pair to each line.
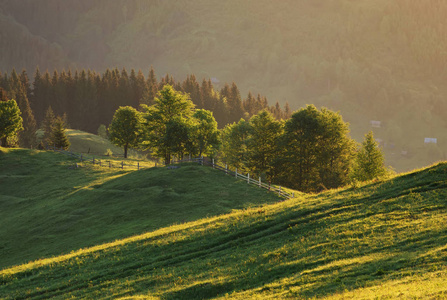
384, 240
55, 208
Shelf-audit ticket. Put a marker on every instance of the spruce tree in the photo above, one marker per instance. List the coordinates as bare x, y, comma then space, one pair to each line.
18, 91
47, 126
369, 162
58, 136
10, 121
27, 137
151, 89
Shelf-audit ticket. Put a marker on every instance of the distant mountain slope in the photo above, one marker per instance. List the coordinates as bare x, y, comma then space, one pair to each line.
48, 208
372, 60
385, 239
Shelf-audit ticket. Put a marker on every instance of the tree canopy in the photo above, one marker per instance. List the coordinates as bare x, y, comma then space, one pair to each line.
126, 128
10, 120
167, 122
369, 163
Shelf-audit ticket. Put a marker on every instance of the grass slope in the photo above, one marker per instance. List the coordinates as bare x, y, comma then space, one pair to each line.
47, 208
384, 240
84, 142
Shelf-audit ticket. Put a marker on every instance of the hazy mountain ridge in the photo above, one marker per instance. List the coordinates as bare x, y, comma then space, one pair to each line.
381, 60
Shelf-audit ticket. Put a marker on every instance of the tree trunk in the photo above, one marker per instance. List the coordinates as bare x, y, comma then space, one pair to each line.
4, 142
167, 158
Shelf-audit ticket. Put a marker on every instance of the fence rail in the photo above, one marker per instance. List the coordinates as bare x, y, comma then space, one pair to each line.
247, 178
100, 161
200, 160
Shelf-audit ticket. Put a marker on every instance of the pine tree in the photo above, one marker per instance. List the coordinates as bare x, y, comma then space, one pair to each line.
191, 86
58, 137
17, 90
47, 126
138, 86
25, 83
35, 100
27, 137
249, 105
3, 95
369, 162
151, 90
10, 121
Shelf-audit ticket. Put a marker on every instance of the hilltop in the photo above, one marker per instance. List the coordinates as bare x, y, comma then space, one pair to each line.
384, 239
48, 208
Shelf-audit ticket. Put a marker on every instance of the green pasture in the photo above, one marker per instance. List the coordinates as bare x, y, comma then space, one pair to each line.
48, 207
383, 240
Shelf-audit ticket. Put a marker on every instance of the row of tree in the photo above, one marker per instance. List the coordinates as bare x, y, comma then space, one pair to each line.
170, 127
310, 151
11, 126
89, 99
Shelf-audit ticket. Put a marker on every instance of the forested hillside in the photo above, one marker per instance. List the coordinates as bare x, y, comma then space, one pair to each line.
372, 60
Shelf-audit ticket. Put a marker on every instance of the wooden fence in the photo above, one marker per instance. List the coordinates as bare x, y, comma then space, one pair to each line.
200, 160
100, 162
257, 182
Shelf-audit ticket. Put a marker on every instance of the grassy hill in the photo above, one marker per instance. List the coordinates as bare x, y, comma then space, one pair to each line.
383, 240
48, 208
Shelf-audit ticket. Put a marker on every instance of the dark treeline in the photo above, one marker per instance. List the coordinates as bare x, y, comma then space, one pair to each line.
89, 98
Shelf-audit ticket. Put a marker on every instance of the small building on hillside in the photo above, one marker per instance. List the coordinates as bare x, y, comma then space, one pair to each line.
430, 141
375, 124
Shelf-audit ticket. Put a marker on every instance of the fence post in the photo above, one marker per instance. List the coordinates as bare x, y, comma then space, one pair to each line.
259, 181
248, 177
280, 190
81, 157
226, 169
235, 173
213, 163
138, 166
202, 160
122, 165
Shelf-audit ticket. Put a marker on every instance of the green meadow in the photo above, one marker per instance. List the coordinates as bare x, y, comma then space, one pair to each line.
194, 233
47, 207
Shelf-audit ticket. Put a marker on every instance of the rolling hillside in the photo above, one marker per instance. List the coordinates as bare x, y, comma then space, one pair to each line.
382, 240
48, 208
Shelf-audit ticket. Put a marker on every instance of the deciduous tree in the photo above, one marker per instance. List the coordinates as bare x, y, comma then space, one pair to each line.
262, 143
126, 128
205, 135
172, 109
